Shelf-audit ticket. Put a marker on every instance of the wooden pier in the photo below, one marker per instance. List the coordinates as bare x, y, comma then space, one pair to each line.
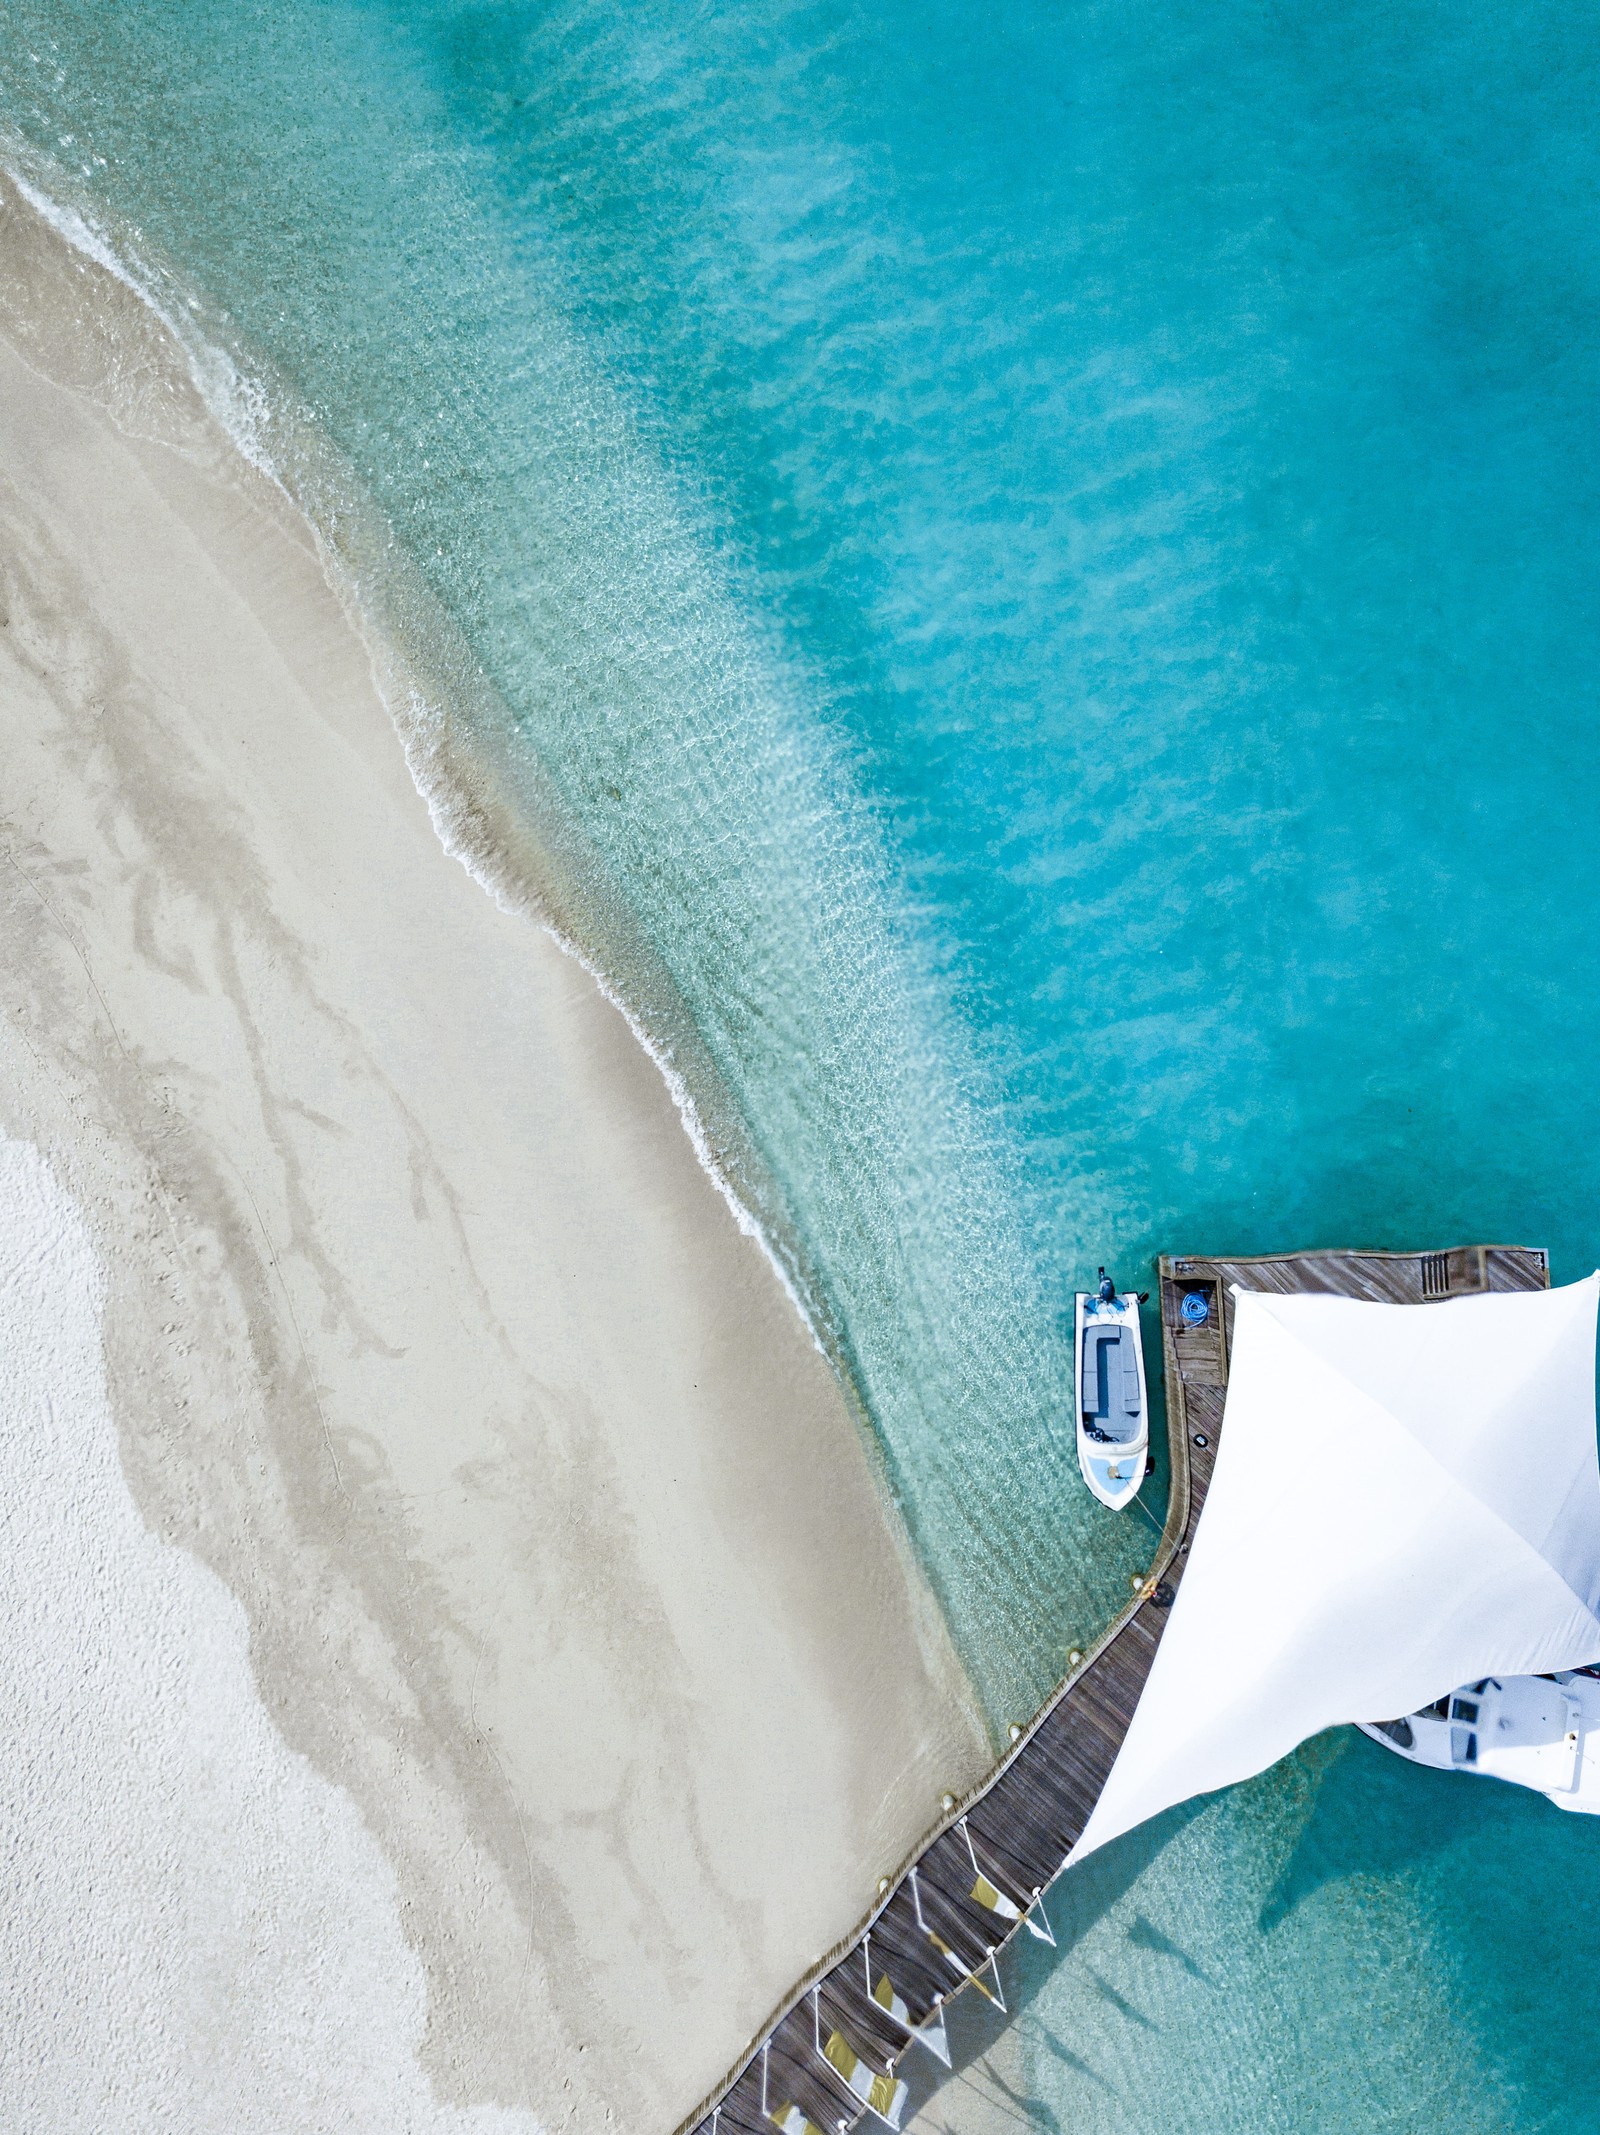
829, 2054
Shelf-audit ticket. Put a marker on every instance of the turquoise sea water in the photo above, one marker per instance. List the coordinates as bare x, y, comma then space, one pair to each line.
1047, 559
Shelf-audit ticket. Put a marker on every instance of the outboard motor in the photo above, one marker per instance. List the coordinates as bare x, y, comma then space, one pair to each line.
1108, 1289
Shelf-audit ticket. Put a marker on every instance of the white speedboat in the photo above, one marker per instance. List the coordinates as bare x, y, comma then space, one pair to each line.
1539, 1731
1113, 1410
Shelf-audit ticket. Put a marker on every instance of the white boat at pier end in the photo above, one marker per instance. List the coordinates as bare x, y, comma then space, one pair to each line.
1538, 1731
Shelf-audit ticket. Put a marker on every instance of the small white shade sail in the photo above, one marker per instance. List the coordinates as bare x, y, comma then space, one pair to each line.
1406, 1498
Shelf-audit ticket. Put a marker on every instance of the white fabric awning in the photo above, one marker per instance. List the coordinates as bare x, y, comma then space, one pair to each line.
1406, 1498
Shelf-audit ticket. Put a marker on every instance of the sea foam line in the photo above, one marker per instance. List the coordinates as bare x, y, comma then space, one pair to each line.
241, 408
237, 402
416, 732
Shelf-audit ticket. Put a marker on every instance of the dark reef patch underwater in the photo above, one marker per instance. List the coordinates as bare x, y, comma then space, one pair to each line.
1048, 557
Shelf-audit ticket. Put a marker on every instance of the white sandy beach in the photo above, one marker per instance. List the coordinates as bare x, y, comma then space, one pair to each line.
545, 1681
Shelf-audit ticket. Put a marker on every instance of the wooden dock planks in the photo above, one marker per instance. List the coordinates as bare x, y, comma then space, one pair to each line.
929, 1937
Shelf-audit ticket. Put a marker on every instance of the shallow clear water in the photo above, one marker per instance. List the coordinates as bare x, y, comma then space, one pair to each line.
1342, 1944
1048, 556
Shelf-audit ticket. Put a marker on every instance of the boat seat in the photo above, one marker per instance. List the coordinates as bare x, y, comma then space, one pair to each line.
1113, 1373
1100, 1377
1130, 1375
1113, 1411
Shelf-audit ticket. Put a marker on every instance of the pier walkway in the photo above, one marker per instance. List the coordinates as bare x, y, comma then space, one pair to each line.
830, 2053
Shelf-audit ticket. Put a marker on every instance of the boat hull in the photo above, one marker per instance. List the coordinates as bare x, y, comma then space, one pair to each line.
1113, 1405
1536, 1731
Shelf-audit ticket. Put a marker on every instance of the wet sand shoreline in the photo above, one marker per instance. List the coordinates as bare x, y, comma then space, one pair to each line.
558, 1543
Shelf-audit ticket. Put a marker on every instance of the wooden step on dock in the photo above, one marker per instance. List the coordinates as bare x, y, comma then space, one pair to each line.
944, 1919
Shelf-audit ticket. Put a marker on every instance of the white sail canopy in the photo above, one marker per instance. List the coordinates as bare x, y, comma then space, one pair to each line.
1406, 1498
